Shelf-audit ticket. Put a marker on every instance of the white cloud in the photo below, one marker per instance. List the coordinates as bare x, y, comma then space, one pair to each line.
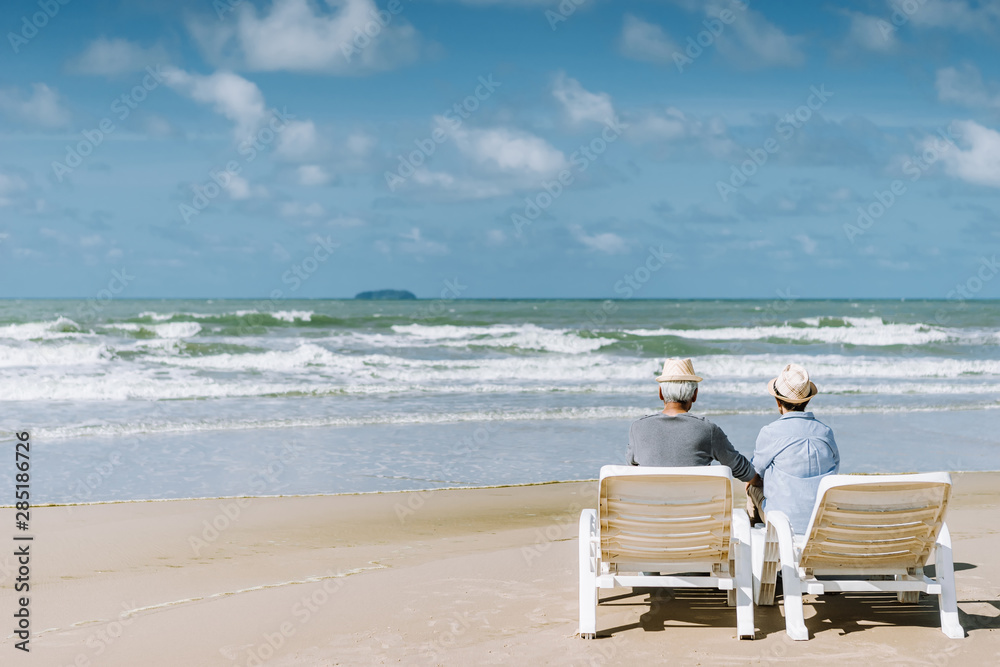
299, 141
42, 107
360, 144
808, 244
414, 243
10, 184
110, 57
229, 94
606, 242
753, 41
297, 35
672, 124
581, 105
955, 14
646, 41
509, 150
238, 188
871, 33
977, 159
496, 237
312, 174
965, 86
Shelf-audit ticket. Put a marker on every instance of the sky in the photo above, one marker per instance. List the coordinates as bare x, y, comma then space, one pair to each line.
500, 148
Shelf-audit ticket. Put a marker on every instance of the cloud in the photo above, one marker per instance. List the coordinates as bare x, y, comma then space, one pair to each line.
954, 14
229, 94
299, 36
312, 174
414, 243
976, 159
581, 105
238, 188
753, 41
606, 242
748, 39
42, 107
11, 185
965, 86
808, 244
110, 57
646, 41
299, 141
870, 33
506, 149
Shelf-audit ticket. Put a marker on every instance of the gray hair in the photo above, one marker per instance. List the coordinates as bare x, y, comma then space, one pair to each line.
678, 392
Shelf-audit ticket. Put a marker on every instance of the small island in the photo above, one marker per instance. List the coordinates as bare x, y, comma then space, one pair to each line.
386, 295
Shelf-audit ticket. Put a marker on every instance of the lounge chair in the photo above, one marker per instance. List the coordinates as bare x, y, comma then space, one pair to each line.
873, 534
668, 521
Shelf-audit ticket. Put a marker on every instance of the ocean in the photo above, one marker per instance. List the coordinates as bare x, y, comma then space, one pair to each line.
155, 399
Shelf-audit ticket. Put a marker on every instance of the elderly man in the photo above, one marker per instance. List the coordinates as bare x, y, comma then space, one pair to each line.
675, 437
793, 453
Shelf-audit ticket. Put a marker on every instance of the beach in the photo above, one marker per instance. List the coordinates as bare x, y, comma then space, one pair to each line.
449, 577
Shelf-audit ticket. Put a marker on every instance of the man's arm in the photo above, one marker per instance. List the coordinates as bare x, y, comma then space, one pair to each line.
724, 452
629, 451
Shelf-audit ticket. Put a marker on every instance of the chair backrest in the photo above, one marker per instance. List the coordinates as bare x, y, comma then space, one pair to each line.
877, 521
665, 515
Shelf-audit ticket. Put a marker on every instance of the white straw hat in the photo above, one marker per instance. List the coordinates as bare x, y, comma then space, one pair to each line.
678, 370
792, 385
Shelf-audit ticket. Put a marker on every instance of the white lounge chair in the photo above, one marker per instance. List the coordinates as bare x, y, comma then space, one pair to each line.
665, 520
874, 534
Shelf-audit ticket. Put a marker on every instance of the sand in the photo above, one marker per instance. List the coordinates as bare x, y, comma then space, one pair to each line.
459, 577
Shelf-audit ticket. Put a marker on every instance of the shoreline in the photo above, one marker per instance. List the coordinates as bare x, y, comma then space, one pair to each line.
442, 577
420, 490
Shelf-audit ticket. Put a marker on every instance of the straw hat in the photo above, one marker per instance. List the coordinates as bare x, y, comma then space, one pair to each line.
678, 370
792, 385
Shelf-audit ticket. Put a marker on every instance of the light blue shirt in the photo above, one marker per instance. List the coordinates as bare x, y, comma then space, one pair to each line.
792, 455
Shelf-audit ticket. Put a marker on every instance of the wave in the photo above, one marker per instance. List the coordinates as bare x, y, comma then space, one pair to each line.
623, 413
860, 331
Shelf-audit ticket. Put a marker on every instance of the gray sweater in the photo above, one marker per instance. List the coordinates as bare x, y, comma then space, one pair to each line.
683, 440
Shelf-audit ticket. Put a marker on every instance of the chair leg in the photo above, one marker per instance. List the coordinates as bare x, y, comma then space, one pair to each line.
948, 600
745, 628
766, 563
795, 624
733, 547
589, 552
907, 597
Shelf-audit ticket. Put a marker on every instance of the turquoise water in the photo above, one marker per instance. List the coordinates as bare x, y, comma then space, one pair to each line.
181, 398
